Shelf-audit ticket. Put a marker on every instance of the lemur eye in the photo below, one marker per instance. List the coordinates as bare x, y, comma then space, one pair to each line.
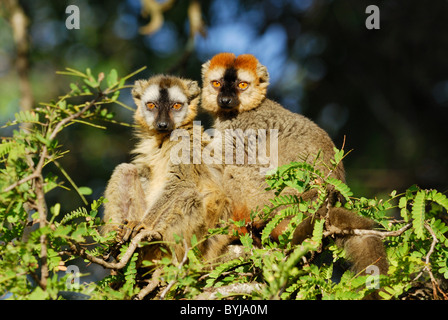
243, 85
216, 83
150, 105
177, 106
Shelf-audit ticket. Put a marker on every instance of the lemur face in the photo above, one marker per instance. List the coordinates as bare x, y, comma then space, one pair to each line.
233, 84
165, 103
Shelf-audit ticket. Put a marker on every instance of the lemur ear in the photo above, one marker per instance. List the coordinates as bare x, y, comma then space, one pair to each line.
205, 67
137, 91
193, 89
263, 74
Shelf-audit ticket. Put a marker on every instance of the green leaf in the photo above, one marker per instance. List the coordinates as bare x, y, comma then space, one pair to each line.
318, 231
341, 187
402, 203
439, 198
91, 82
38, 294
75, 88
5, 147
26, 116
418, 214
85, 191
338, 156
62, 231
112, 78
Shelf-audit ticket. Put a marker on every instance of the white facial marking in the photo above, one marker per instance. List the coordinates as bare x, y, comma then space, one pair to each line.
151, 94
216, 73
177, 95
245, 75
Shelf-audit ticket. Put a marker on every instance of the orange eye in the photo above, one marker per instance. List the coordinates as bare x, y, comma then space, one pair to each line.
243, 85
177, 106
216, 83
150, 105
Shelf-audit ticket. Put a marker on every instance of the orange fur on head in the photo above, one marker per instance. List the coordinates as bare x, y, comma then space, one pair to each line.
247, 62
228, 60
249, 70
223, 59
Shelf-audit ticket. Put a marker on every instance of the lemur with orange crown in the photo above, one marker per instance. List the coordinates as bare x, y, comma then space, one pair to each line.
234, 92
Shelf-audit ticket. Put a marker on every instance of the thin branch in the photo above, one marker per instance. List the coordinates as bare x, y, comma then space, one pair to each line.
367, 232
38, 170
153, 283
427, 267
144, 234
232, 289
32, 176
74, 116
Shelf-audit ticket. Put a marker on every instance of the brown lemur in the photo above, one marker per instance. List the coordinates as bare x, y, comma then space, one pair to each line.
163, 189
234, 92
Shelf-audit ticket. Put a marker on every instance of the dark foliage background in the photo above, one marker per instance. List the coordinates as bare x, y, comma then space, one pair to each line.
385, 91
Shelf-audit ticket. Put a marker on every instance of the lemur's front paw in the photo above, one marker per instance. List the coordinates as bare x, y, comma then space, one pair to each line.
129, 230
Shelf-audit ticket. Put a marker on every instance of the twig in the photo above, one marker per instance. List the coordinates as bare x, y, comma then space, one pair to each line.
366, 232
241, 274
152, 235
32, 176
172, 282
153, 283
75, 115
37, 172
232, 289
427, 267
37, 176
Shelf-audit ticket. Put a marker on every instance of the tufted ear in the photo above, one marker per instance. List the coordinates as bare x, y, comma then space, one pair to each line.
193, 89
205, 67
262, 73
137, 91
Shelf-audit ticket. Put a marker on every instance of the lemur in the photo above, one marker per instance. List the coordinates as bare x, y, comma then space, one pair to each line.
154, 192
234, 92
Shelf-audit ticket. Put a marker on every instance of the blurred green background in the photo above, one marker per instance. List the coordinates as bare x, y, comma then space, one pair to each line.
384, 91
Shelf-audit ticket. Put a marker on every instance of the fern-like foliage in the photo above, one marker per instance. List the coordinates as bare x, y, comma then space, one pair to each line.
39, 243
418, 214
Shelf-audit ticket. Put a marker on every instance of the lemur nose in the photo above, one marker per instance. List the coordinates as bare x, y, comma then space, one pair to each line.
162, 125
225, 100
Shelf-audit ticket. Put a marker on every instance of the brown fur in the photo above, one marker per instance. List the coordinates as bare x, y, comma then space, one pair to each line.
298, 139
153, 193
